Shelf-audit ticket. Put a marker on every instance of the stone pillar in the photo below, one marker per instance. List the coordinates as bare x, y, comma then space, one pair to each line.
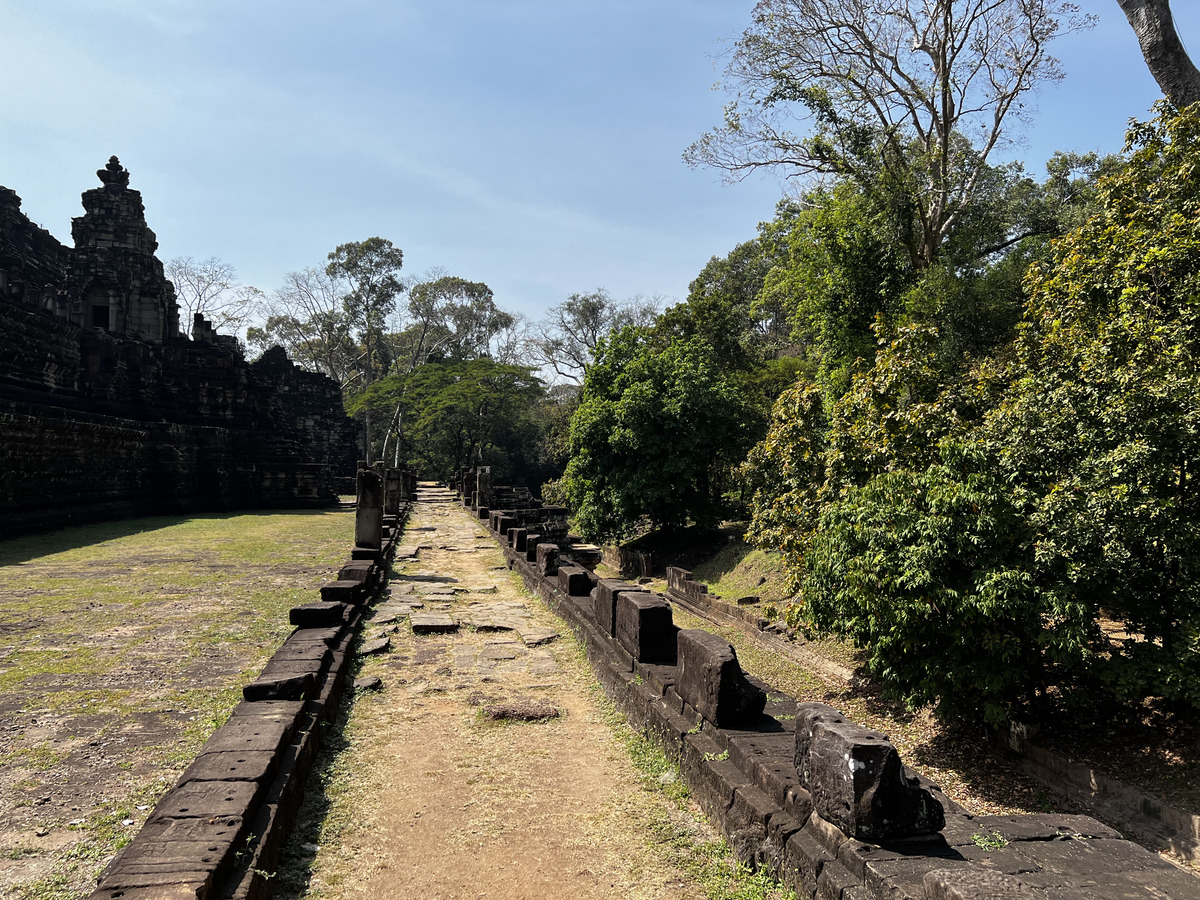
483, 484
392, 490
368, 523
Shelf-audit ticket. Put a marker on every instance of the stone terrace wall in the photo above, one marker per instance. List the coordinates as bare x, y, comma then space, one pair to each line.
94, 426
821, 802
218, 832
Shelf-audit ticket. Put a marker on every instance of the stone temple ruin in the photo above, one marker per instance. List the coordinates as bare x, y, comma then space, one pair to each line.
107, 410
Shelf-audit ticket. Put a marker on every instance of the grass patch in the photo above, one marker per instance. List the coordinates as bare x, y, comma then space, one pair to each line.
710, 863
738, 570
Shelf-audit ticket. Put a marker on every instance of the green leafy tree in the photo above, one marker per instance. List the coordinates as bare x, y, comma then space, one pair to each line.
461, 413
906, 99
655, 427
1100, 432
370, 271
974, 524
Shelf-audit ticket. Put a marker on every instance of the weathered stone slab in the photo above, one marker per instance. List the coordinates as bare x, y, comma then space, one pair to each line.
378, 645
712, 682
537, 637
206, 800
857, 781
242, 733
342, 592
357, 570
432, 623
280, 686
255, 765
645, 629
973, 884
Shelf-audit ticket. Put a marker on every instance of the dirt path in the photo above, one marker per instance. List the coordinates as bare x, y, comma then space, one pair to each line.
431, 798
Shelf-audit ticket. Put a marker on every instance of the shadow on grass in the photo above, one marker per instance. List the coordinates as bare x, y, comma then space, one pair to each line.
22, 549
293, 873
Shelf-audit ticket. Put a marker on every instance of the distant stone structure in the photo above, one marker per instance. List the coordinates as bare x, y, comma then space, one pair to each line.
107, 410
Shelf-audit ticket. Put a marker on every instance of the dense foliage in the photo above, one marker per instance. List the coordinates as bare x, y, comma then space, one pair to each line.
655, 427
1014, 530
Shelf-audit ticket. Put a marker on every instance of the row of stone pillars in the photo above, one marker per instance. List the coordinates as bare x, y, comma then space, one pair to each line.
474, 486
381, 494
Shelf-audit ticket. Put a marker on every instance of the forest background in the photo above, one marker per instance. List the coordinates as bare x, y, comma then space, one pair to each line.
956, 399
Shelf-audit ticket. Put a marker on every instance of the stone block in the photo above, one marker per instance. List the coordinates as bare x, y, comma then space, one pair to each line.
483, 513
319, 615
207, 800
547, 559
341, 593
516, 539
972, 884
368, 520
256, 766
574, 581
357, 570
503, 524
532, 539
712, 682
280, 686
644, 627
606, 593
857, 781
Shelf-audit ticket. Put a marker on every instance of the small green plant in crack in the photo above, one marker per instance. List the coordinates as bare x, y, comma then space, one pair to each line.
695, 729
717, 757
992, 841
638, 679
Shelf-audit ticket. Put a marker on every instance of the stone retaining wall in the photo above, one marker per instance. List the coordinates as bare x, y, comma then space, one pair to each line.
219, 831
777, 774
1155, 822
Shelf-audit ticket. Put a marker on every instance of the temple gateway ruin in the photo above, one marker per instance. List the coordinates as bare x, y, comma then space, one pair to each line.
108, 410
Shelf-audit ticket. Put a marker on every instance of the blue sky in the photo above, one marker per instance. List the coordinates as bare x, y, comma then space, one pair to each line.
534, 145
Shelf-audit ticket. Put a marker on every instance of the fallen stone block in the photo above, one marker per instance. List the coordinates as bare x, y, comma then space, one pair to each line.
712, 682
645, 629
378, 645
857, 781
432, 623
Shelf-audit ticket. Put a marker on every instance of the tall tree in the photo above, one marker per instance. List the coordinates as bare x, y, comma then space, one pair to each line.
305, 316
370, 270
909, 98
1163, 51
210, 287
573, 328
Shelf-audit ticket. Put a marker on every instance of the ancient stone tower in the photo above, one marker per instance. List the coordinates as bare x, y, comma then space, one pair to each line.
115, 282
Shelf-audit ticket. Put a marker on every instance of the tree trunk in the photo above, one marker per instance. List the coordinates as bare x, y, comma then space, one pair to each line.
1168, 62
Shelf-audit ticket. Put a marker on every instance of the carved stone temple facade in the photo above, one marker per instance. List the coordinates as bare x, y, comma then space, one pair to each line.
107, 410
